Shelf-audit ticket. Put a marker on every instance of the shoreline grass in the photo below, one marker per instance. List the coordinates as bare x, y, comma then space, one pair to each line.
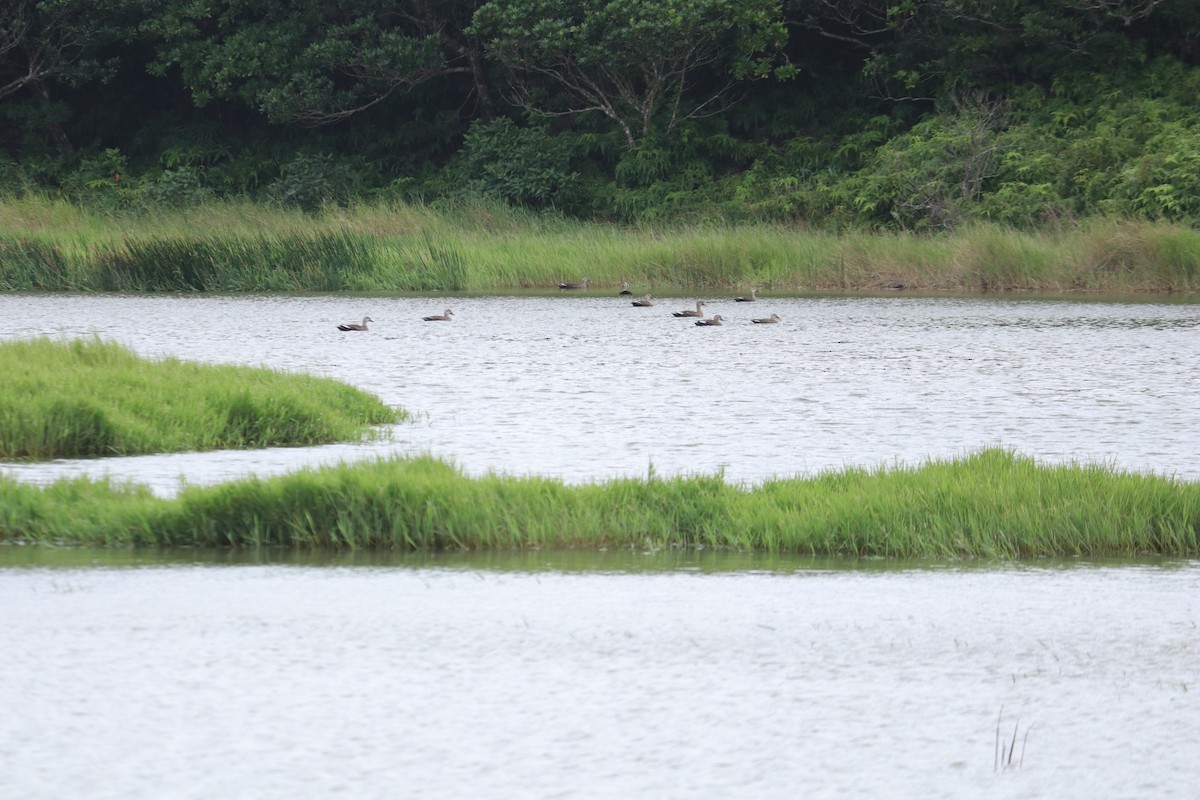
95, 398
48, 245
993, 504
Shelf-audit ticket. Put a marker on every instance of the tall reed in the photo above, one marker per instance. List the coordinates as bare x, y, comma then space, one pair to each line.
993, 504
389, 248
319, 261
29, 264
92, 398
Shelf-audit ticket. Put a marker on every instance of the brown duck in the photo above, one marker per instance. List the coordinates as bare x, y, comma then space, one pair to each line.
696, 313
354, 326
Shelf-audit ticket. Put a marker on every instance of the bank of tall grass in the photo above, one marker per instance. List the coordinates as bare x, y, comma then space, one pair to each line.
95, 398
992, 505
49, 245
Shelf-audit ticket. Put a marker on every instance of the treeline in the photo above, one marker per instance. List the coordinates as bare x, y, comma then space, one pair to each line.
910, 114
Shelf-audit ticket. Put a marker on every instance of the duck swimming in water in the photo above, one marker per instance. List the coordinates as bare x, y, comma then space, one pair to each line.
354, 326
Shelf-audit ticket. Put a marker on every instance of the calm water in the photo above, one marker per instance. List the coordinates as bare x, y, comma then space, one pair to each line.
567, 676
588, 387
127, 675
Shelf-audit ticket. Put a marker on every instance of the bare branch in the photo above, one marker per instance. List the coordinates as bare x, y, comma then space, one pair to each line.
317, 117
1127, 11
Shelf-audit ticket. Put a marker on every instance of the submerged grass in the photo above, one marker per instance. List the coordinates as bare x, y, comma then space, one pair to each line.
993, 504
94, 398
236, 246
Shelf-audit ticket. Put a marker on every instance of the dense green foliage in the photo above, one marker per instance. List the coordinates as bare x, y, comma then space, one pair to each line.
236, 246
909, 114
93, 398
990, 505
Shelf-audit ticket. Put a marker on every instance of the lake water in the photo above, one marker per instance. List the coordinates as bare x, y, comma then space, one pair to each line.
587, 387
612, 675
593, 676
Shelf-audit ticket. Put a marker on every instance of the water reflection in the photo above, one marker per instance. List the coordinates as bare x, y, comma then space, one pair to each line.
534, 561
585, 388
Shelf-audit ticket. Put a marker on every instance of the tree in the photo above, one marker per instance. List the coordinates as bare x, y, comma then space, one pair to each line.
315, 62
44, 40
646, 65
921, 49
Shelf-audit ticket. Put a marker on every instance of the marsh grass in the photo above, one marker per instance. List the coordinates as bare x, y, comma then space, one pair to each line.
1003, 756
993, 260
30, 264
991, 505
321, 261
237, 246
92, 398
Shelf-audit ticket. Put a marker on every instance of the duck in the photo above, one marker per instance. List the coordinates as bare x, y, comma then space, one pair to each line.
770, 319
648, 300
706, 322
696, 313
583, 284
440, 317
625, 288
354, 326
752, 298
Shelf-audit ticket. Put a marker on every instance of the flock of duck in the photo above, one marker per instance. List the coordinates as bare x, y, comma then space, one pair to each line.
646, 301
446, 316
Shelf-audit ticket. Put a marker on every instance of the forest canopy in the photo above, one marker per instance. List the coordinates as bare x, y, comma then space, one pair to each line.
909, 114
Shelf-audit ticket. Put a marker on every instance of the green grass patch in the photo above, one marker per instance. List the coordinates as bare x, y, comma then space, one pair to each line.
94, 398
238, 246
991, 505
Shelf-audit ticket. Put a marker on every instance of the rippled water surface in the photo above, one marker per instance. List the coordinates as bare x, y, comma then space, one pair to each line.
214, 674
594, 677
588, 387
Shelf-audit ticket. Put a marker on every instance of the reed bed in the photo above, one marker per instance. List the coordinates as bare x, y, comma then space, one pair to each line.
51, 246
93, 398
990, 505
